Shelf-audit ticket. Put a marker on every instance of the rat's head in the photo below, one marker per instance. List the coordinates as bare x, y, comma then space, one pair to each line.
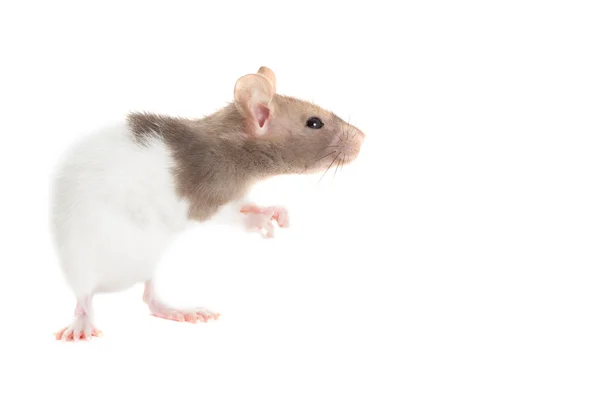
305, 137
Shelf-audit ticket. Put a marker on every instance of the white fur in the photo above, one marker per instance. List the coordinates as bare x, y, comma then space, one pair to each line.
114, 211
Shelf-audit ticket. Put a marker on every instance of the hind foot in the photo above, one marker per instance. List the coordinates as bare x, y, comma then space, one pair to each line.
159, 309
194, 316
82, 327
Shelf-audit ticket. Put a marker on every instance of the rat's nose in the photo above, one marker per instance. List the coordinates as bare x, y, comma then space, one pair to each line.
361, 136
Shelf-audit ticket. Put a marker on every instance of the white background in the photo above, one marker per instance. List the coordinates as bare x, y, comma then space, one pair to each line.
456, 259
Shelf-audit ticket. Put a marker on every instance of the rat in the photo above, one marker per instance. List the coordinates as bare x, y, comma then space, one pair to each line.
124, 192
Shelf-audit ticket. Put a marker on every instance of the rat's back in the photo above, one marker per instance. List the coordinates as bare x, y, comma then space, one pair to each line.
114, 209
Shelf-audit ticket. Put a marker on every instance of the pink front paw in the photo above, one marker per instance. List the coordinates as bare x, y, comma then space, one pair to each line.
282, 217
261, 223
261, 218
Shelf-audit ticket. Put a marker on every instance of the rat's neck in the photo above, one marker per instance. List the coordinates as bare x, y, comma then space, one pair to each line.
260, 158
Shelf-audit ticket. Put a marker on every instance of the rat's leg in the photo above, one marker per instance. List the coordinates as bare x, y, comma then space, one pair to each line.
259, 218
161, 310
82, 327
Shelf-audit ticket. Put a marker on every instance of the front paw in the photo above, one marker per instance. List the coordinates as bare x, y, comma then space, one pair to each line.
260, 219
280, 215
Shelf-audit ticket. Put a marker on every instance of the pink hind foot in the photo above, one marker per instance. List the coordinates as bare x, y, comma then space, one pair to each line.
193, 316
159, 309
82, 327
77, 331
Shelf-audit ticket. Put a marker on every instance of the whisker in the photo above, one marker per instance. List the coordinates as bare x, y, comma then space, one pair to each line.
313, 161
329, 167
328, 154
336, 168
343, 129
333, 145
325, 156
348, 127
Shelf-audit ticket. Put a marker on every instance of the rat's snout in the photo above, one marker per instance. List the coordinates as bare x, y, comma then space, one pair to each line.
350, 142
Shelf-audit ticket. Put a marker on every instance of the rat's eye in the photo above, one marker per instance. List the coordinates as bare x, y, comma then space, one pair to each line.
314, 123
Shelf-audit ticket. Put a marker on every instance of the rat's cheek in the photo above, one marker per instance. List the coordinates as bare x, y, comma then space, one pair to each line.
318, 160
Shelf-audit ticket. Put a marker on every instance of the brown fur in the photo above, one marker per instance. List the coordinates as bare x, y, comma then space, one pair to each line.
218, 160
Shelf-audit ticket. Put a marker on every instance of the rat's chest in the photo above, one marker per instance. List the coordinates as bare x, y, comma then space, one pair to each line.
206, 200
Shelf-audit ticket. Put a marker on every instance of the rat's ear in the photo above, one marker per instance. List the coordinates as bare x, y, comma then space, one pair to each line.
270, 75
253, 94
